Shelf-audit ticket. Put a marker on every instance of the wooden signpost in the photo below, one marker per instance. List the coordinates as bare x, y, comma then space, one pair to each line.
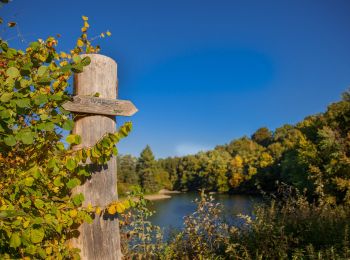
99, 240
100, 106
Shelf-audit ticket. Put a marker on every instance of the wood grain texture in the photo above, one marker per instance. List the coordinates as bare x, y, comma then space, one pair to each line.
100, 106
99, 240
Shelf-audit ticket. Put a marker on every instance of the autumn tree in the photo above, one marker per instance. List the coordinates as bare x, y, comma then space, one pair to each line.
262, 136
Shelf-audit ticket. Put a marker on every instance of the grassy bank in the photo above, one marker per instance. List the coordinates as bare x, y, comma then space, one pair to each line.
288, 228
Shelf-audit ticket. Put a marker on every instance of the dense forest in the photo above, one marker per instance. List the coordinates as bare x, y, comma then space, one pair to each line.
312, 155
303, 170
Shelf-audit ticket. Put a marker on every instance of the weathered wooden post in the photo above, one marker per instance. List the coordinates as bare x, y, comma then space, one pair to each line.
99, 240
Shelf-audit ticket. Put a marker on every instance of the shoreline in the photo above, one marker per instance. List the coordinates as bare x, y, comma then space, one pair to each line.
161, 195
157, 196
165, 191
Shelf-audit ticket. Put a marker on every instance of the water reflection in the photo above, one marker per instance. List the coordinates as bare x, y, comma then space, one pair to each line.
170, 213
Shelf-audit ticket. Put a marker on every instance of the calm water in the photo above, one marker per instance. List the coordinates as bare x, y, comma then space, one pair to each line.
170, 212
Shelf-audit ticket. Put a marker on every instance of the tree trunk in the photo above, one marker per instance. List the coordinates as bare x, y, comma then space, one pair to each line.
99, 240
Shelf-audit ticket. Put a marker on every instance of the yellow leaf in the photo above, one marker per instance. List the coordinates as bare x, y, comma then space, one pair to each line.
120, 207
112, 209
73, 213
126, 204
63, 55
98, 210
80, 43
102, 35
55, 84
84, 29
26, 224
90, 208
63, 63
86, 24
85, 18
108, 33
48, 250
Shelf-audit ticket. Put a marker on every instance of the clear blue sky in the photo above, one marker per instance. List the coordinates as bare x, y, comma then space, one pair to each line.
205, 72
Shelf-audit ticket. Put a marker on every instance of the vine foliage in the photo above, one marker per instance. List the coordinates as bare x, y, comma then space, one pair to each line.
38, 213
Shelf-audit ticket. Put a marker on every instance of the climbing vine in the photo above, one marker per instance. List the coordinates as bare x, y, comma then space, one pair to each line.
38, 213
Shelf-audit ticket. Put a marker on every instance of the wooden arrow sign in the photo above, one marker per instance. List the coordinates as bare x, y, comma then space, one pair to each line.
100, 106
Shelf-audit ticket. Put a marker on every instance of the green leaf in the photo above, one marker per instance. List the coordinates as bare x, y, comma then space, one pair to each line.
42, 70
27, 137
15, 240
57, 96
39, 203
60, 146
10, 214
27, 66
76, 58
29, 181
44, 117
83, 172
73, 139
34, 45
38, 221
52, 163
6, 97
44, 80
47, 126
77, 68
87, 218
57, 181
95, 152
12, 72
78, 199
10, 140
68, 125
86, 61
24, 102
42, 253
4, 46
66, 68
73, 183
40, 99
25, 83
5, 114
71, 164
35, 172
37, 235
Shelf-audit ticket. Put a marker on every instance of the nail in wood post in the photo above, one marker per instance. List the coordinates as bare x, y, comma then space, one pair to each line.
99, 240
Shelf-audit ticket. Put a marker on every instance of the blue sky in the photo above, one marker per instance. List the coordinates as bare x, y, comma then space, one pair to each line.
205, 72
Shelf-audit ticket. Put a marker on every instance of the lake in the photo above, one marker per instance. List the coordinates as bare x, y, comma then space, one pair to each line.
170, 212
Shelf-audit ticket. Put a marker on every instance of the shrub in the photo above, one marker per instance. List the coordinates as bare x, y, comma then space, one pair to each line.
38, 214
140, 239
291, 228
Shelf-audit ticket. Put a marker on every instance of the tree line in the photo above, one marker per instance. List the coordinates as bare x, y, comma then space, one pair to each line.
312, 155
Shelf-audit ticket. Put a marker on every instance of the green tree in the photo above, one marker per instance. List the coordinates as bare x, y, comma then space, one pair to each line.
127, 169
262, 136
146, 168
